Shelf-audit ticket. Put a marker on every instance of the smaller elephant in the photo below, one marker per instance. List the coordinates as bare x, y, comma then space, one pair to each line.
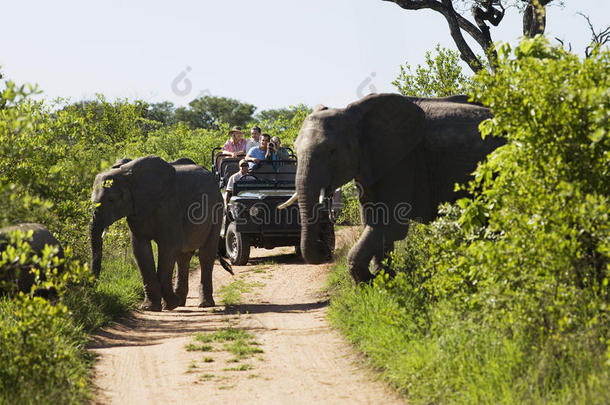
179, 206
41, 237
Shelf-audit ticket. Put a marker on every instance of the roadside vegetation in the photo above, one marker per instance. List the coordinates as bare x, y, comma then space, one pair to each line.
504, 298
51, 152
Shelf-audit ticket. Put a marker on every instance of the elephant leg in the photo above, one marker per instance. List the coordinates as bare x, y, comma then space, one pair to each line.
207, 255
384, 253
165, 270
362, 252
181, 286
142, 250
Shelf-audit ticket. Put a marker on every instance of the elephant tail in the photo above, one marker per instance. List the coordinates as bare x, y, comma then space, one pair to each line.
225, 264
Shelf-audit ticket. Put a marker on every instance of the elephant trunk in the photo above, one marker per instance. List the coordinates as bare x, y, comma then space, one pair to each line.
96, 228
313, 249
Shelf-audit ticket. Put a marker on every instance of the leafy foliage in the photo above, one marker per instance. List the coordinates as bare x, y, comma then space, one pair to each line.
442, 77
210, 112
350, 205
505, 297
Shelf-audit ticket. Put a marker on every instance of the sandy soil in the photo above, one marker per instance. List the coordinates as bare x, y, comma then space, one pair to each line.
143, 359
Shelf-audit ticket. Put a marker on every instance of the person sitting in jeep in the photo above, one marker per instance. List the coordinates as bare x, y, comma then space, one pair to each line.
262, 152
236, 144
280, 151
242, 173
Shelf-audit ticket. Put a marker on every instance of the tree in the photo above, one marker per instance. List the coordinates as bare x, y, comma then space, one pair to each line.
443, 76
272, 116
209, 112
162, 112
484, 12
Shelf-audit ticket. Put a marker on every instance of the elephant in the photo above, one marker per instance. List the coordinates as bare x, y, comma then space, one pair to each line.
179, 206
405, 153
41, 237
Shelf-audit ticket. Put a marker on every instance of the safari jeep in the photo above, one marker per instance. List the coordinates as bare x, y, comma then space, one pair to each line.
252, 217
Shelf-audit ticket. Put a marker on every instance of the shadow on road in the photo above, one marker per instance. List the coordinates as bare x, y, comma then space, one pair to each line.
285, 258
276, 308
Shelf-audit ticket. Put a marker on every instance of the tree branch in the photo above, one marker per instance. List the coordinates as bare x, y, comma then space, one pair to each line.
597, 39
484, 11
455, 22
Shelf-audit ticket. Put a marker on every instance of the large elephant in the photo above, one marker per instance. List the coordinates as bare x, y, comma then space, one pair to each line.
40, 238
405, 153
179, 206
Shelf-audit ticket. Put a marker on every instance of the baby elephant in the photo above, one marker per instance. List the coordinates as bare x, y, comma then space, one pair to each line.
40, 238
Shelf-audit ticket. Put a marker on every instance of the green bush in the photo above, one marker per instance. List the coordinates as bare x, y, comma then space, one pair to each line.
350, 205
504, 299
42, 349
42, 354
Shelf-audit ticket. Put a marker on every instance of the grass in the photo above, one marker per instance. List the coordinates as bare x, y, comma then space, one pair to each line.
242, 349
241, 367
230, 295
192, 366
238, 342
117, 291
446, 355
194, 347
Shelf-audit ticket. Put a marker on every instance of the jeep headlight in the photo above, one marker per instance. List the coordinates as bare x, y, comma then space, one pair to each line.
255, 211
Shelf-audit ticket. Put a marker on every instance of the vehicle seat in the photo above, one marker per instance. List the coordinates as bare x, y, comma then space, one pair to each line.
264, 170
286, 171
228, 167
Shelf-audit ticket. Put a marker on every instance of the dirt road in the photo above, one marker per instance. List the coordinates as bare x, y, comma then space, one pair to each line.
144, 360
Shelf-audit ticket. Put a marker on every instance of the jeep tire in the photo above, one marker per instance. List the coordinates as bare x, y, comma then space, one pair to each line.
237, 245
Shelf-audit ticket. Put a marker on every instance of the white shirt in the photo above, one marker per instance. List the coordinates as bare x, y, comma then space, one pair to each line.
236, 177
250, 144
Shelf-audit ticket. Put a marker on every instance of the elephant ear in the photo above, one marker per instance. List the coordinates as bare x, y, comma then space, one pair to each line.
151, 181
391, 128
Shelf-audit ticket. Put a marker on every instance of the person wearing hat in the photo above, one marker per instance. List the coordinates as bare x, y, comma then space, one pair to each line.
236, 144
242, 173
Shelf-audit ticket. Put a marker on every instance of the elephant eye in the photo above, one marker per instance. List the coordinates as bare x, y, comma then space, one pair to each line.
333, 151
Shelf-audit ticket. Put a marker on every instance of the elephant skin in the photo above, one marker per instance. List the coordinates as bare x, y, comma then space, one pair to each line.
41, 237
179, 206
405, 153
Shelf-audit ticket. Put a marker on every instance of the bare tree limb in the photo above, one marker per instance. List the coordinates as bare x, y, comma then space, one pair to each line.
483, 12
455, 22
597, 38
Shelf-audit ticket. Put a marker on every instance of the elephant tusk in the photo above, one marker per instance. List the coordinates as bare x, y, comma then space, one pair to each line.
104, 232
322, 195
288, 203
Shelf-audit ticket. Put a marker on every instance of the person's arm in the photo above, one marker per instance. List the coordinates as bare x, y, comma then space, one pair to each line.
229, 149
270, 153
228, 195
229, 189
251, 158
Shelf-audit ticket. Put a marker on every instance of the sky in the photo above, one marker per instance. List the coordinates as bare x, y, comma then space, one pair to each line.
270, 53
